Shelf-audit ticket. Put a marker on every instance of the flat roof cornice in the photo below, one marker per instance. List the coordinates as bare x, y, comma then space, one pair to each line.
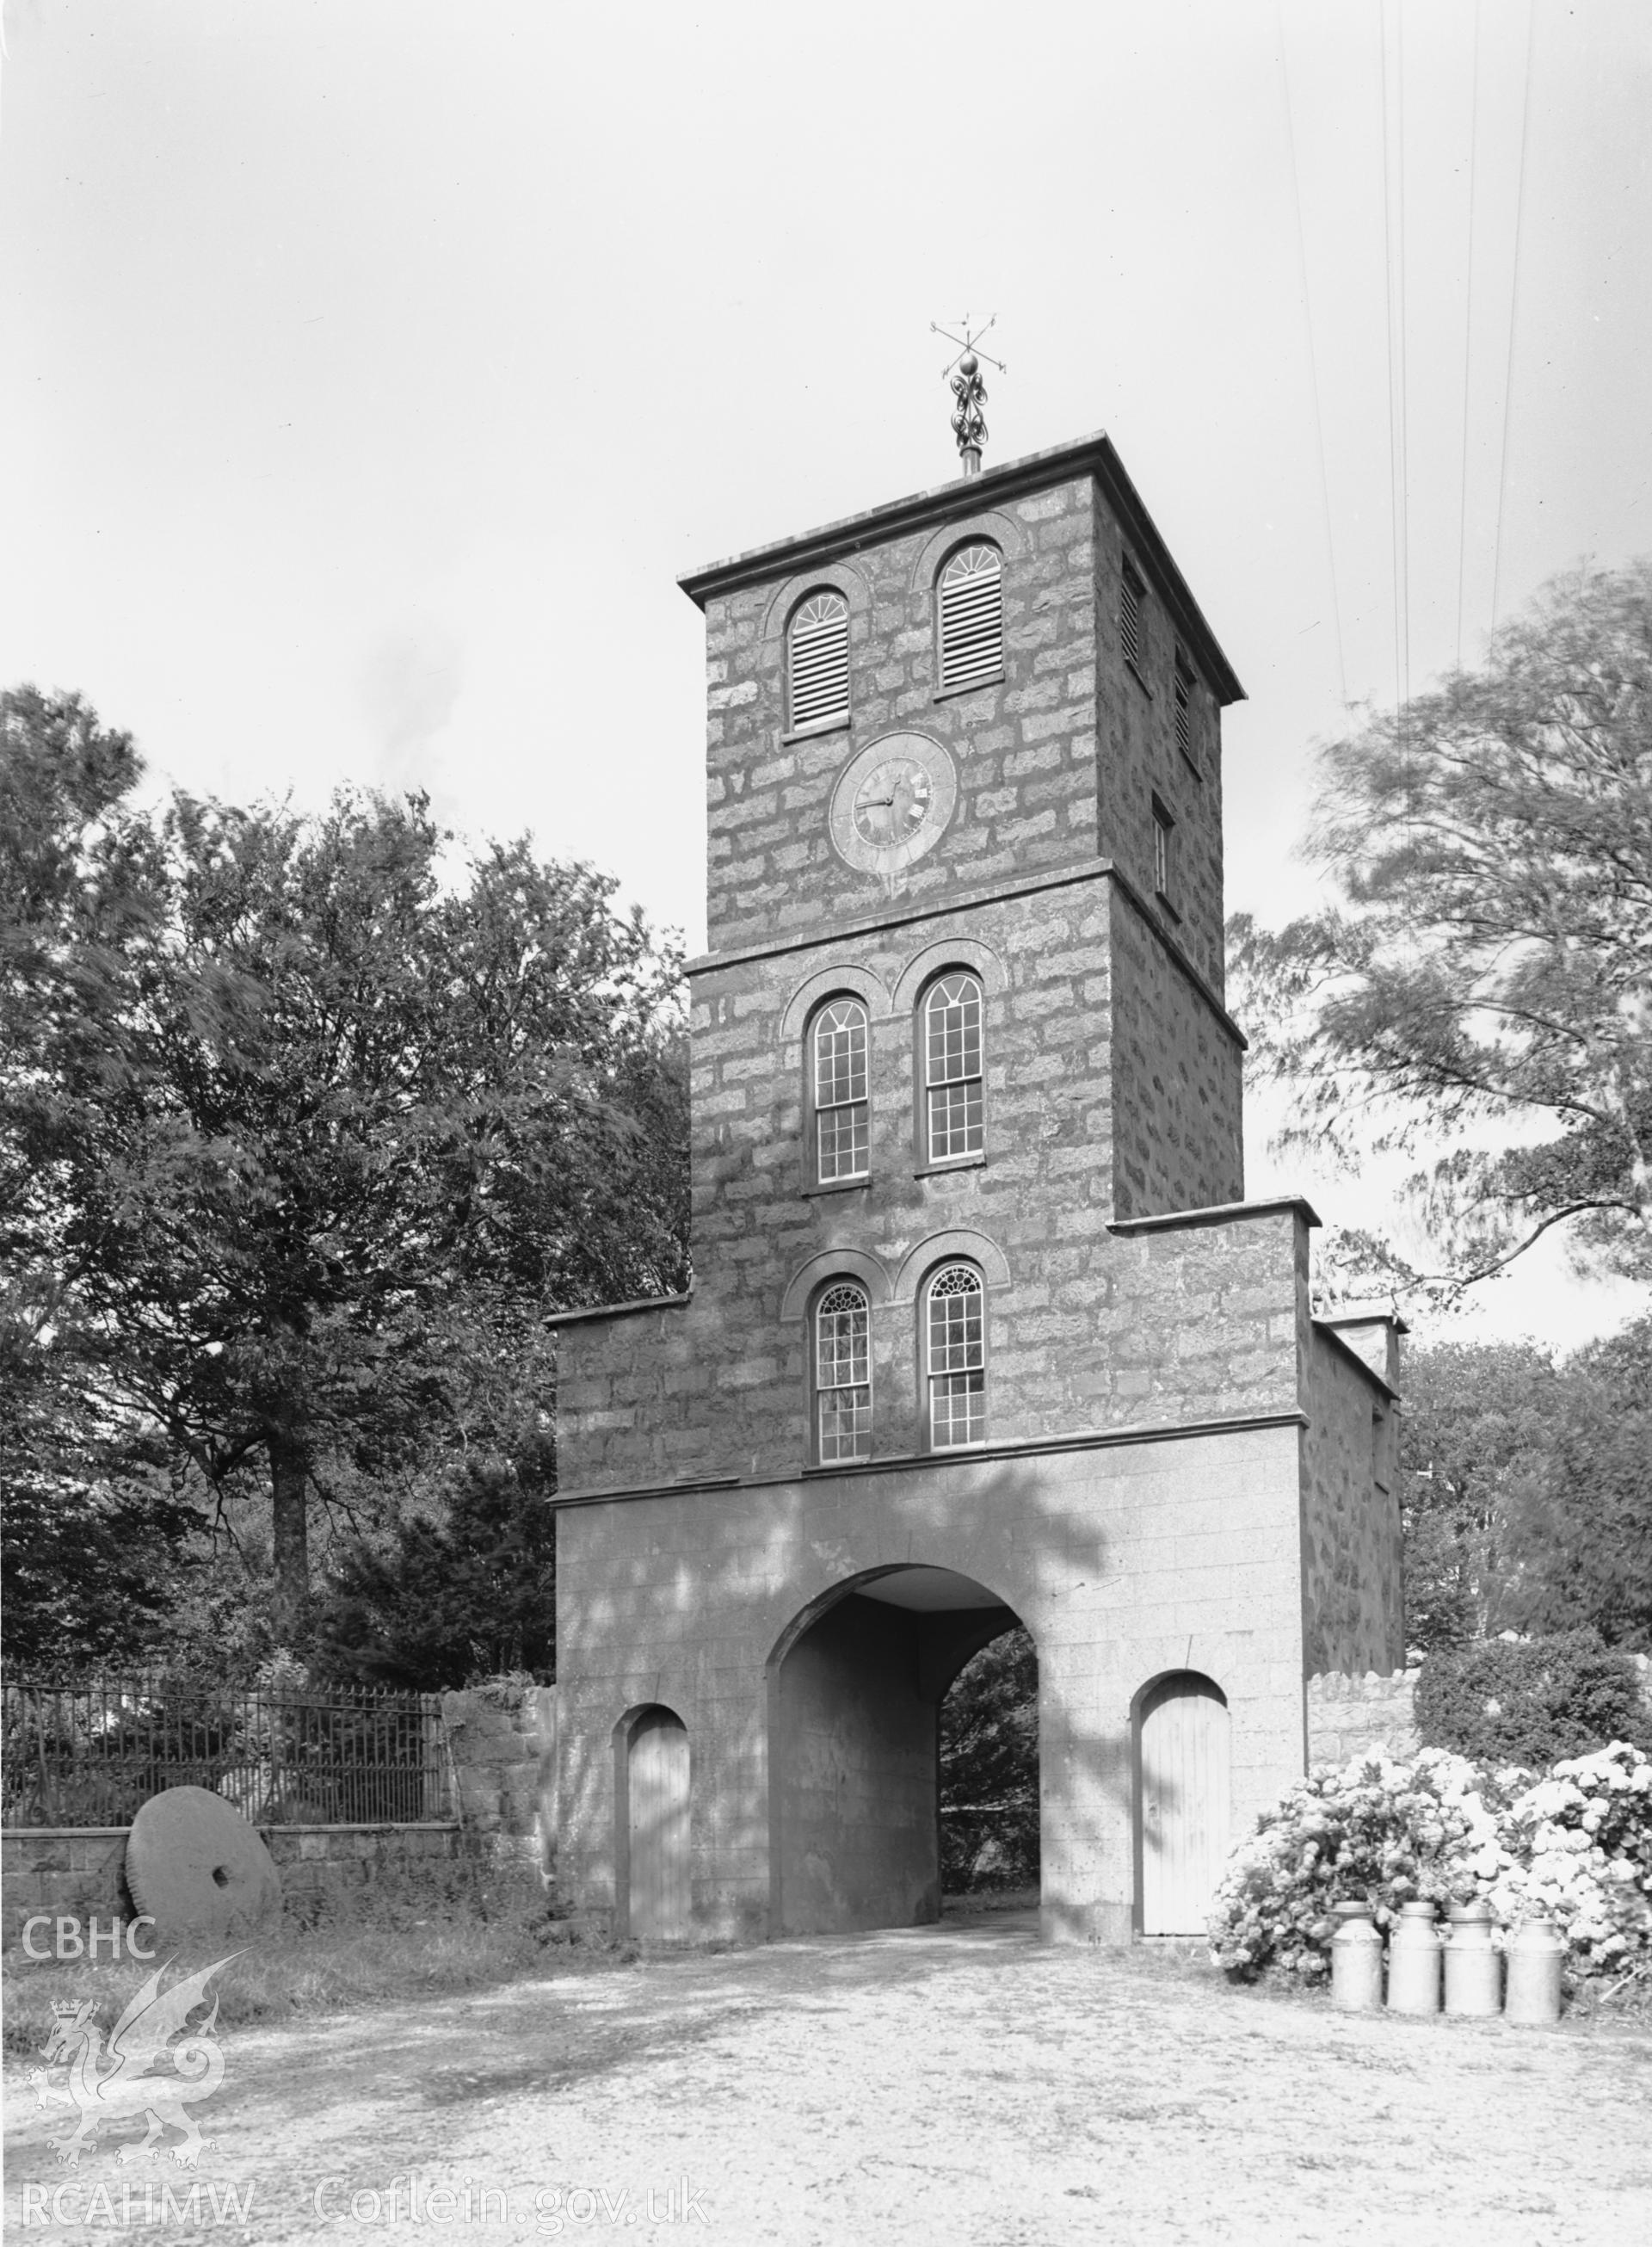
965, 496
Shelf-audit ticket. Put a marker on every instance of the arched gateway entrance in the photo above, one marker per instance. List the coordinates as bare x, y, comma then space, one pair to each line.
855, 1689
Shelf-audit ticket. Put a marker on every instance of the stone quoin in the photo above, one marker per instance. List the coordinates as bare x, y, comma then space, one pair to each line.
784, 1524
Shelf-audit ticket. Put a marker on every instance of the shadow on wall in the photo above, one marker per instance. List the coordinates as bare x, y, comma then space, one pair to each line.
817, 1806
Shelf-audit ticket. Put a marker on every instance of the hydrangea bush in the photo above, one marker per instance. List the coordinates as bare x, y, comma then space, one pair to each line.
1577, 1849
1576, 1844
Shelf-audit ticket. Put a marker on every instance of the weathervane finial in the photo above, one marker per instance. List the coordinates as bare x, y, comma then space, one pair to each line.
969, 388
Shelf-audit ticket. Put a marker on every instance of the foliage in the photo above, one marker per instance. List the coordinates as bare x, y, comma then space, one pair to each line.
438, 1603
989, 1768
282, 1106
1393, 1834
1486, 974
1576, 1844
1577, 1849
1475, 1435
1529, 1701
1527, 1491
1581, 1531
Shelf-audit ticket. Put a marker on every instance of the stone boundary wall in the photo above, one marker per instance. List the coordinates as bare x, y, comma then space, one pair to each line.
1349, 1716
501, 1742
78, 1871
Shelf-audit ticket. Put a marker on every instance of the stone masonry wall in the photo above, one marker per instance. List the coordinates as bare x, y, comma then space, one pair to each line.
1353, 1597
1179, 1128
1087, 1331
1140, 760
1058, 763
1124, 1563
78, 1871
1026, 749
502, 1741
1349, 1715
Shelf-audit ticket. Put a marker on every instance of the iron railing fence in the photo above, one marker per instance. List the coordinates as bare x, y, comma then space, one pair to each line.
89, 1753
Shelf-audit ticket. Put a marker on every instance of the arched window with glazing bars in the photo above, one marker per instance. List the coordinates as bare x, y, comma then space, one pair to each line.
841, 1128
955, 1356
953, 1069
843, 1375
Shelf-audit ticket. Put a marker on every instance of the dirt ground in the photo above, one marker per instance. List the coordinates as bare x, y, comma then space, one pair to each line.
962, 2085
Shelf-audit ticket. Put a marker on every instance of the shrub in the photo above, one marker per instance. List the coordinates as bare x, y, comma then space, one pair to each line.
1580, 1850
1389, 1832
1534, 1702
1575, 1846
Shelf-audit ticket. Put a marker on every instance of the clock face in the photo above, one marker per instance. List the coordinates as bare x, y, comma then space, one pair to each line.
892, 802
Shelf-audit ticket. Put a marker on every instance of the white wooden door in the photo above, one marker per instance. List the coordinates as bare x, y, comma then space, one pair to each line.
1185, 1803
657, 1791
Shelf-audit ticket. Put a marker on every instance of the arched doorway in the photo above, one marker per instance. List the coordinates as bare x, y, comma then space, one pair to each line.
1183, 1824
855, 1685
652, 1837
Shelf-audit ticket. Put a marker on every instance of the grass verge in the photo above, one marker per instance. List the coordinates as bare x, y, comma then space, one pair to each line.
458, 1927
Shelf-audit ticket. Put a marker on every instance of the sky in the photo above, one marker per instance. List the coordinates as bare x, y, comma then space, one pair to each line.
371, 370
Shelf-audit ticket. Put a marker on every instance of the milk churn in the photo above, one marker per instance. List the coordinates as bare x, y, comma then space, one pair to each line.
1534, 1953
1414, 1962
1356, 1959
1474, 1970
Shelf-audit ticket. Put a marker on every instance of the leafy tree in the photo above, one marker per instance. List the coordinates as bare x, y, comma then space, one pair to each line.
1483, 986
280, 1105
1475, 1440
92, 1540
989, 1768
1581, 1533
437, 1602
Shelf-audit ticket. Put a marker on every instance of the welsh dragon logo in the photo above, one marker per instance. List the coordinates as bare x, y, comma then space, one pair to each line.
118, 2084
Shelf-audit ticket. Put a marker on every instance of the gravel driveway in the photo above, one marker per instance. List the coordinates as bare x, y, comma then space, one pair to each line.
962, 2085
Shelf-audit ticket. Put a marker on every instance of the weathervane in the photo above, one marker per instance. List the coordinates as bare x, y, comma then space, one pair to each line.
969, 388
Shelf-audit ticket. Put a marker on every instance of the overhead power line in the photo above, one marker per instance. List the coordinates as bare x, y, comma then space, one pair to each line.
1514, 299
1313, 361
1398, 544
1468, 329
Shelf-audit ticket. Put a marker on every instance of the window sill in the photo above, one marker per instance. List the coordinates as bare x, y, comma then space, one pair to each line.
1133, 669
975, 687
821, 726
837, 1186
958, 1163
1167, 907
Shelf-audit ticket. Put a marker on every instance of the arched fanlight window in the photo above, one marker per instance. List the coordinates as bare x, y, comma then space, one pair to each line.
953, 1068
842, 1138
817, 660
843, 1375
956, 1356
970, 607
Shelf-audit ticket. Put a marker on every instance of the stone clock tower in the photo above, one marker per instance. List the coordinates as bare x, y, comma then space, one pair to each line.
982, 1329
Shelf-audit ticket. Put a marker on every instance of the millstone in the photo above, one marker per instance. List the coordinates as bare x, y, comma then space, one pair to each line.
198, 1868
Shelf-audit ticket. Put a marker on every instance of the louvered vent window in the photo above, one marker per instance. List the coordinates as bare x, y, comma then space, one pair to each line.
1131, 591
819, 660
1185, 706
972, 617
